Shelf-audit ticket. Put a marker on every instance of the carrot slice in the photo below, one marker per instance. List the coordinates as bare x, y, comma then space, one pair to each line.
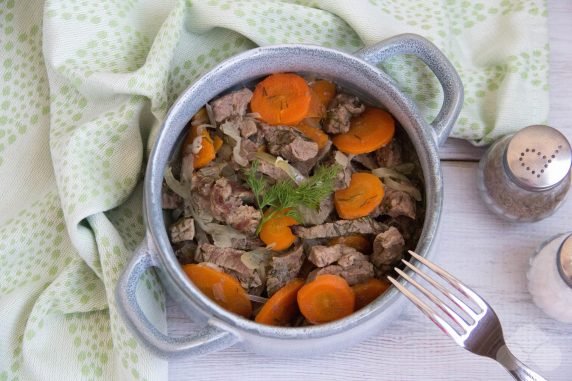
359, 199
357, 241
282, 98
276, 231
368, 291
327, 298
217, 143
222, 288
282, 307
371, 130
310, 128
207, 152
324, 90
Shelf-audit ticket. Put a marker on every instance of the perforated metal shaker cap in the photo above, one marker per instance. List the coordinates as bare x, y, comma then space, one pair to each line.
538, 157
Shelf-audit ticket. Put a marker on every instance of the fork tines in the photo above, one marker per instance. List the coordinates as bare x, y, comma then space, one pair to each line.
463, 325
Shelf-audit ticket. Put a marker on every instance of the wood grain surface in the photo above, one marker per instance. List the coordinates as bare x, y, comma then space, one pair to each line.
488, 254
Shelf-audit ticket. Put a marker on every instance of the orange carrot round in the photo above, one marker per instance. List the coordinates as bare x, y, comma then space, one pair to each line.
356, 241
368, 291
222, 288
359, 199
312, 131
325, 91
282, 98
282, 308
369, 131
207, 152
276, 231
325, 299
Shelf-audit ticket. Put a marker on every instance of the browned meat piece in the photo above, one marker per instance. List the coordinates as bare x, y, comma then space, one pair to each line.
248, 243
182, 230
316, 217
247, 127
186, 252
289, 143
169, 199
223, 201
396, 203
331, 270
364, 225
272, 171
233, 104
226, 205
248, 149
229, 260
358, 273
245, 218
389, 155
284, 268
387, 249
326, 255
351, 257
340, 112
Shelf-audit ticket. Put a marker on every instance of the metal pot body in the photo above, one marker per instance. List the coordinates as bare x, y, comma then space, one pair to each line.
359, 74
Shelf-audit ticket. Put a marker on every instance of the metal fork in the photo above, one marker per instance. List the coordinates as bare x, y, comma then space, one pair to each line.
481, 334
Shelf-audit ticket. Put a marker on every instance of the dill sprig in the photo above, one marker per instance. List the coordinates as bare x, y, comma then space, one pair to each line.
285, 195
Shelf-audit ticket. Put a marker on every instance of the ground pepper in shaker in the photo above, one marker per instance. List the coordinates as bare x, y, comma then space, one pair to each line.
525, 177
550, 277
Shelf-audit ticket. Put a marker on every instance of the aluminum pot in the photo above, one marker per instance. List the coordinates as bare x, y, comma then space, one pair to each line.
359, 74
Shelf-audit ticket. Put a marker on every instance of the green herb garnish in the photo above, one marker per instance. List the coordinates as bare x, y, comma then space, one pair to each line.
285, 195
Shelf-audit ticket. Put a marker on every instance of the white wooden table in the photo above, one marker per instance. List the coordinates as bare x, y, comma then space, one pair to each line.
488, 254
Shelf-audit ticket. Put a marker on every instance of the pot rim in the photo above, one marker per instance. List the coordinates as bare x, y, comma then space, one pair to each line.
399, 105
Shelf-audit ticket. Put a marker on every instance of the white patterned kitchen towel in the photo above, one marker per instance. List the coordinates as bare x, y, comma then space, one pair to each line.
85, 84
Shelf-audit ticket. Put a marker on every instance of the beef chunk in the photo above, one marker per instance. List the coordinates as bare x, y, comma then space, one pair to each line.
289, 143
358, 273
227, 206
316, 217
230, 105
169, 199
284, 268
245, 218
326, 255
331, 270
351, 257
340, 112
397, 203
387, 250
185, 253
247, 127
364, 225
182, 230
389, 155
229, 260
248, 243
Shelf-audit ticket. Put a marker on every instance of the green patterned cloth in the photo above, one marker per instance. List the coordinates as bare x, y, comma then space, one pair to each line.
84, 88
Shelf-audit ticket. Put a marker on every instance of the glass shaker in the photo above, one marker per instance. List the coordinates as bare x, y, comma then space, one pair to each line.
525, 176
550, 277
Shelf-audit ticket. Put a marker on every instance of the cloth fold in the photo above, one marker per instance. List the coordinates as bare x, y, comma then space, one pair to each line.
85, 87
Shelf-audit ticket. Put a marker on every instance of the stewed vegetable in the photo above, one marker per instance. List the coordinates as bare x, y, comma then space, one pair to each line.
292, 201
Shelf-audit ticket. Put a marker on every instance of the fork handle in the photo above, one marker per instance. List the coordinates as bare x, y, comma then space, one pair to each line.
515, 367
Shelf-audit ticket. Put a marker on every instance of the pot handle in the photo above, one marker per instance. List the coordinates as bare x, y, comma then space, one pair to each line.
208, 339
436, 61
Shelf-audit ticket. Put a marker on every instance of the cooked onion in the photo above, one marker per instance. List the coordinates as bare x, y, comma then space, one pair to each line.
257, 299
404, 187
210, 114
388, 172
279, 162
229, 128
182, 189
